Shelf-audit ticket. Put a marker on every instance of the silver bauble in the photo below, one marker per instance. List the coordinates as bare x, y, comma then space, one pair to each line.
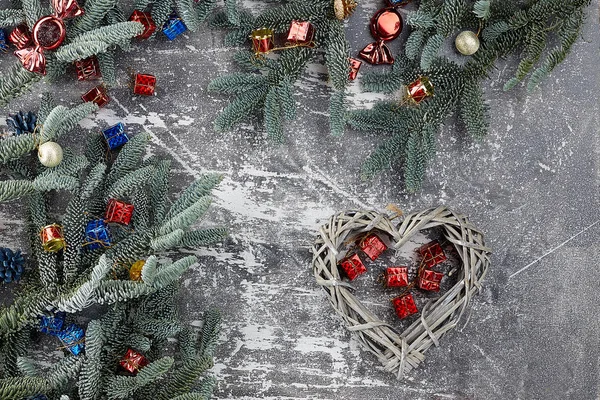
50, 154
467, 43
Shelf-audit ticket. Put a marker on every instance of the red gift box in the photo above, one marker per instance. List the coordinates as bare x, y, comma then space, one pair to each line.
144, 84
405, 305
20, 37
354, 68
396, 277
432, 254
372, 246
133, 361
353, 266
118, 212
87, 68
145, 19
430, 280
300, 32
97, 95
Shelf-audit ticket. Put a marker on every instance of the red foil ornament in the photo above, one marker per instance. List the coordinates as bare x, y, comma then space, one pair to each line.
354, 68
353, 266
88, 69
430, 280
419, 90
144, 84
262, 40
48, 34
300, 33
432, 254
396, 277
405, 305
118, 212
386, 25
20, 37
372, 246
97, 95
133, 361
145, 19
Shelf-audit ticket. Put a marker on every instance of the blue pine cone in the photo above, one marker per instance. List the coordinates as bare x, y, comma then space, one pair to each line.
11, 265
21, 123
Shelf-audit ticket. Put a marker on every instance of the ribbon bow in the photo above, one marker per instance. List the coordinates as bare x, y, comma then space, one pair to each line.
48, 33
377, 53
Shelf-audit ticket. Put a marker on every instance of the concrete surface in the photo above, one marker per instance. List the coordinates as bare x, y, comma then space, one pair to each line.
531, 185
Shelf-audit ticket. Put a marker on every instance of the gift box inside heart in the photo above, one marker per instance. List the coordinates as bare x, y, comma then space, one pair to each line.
416, 289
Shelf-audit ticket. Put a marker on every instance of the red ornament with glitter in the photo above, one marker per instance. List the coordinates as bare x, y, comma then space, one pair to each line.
133, 361
372, 246
118, 212
405, 306
88, 69
97, 95
430, 280
419, 90
300, 33
396, 277
20, 37
432, 254
354, 68
144, 18
386, 25
353, 266
48, 34
144, 84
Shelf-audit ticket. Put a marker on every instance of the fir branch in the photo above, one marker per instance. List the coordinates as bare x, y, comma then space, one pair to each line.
168, 241
18, 388
193, 193
10, 17
33, 11
78, 51
129, 158
129, 183
237, 83
187, 12
95, 11
111, 35
272, 116
62, 120
336, 55
210, 333
121, 387
337, 113
106, 62
15, 82
14, 147
204, 237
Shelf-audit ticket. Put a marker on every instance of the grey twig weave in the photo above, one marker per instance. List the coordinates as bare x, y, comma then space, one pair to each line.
400, 352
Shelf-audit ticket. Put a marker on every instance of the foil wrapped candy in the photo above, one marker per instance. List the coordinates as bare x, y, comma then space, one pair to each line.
386, 25
48, 33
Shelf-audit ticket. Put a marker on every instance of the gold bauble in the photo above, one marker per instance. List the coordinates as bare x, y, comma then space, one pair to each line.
343, 8
135, 271
50, 154
467, 43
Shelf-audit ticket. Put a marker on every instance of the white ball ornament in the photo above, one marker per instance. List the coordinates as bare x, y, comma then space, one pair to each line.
50, 154
467, 43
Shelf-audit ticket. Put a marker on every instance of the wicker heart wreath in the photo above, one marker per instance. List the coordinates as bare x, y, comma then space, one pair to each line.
400, 352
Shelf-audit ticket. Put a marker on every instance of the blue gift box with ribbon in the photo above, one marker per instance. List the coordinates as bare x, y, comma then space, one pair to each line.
97, 234
115, 136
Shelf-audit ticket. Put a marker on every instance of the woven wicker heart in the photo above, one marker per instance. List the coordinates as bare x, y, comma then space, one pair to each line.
400, 352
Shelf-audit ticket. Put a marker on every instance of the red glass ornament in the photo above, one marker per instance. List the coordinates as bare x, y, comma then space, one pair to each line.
20, 37
354, 68
133, 361
419, 90
97, 95
262, 40
88, 69
430, 280
144, 18
353, 266
372, 246
405, 305
396, 277
118, 212
300, 32
144, 84
386, 25
53, 238
432, 254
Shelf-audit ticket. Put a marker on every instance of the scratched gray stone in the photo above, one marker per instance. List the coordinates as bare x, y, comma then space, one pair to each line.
531, 186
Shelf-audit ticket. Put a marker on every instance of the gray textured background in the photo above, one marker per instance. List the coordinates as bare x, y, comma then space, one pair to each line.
531, 185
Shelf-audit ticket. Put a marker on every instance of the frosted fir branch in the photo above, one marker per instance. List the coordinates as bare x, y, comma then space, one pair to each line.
114, 291
204, 237
121, 387
11, 17
129, 183
62, 120
129, 158
112, 34
169, 273
33, 11
15, 82
95, 11
187, 12
14, 147
168, 241
197, 190
80, 50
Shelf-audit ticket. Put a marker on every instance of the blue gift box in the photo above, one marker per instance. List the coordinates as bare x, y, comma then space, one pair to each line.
97, 234
73, 339
174, 27
3, 44
52, 325
115, 136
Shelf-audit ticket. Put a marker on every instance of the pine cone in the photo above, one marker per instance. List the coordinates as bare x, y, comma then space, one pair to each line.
11, 265
21, 123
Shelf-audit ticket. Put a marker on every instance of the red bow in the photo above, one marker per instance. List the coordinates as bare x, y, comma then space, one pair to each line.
377, 53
